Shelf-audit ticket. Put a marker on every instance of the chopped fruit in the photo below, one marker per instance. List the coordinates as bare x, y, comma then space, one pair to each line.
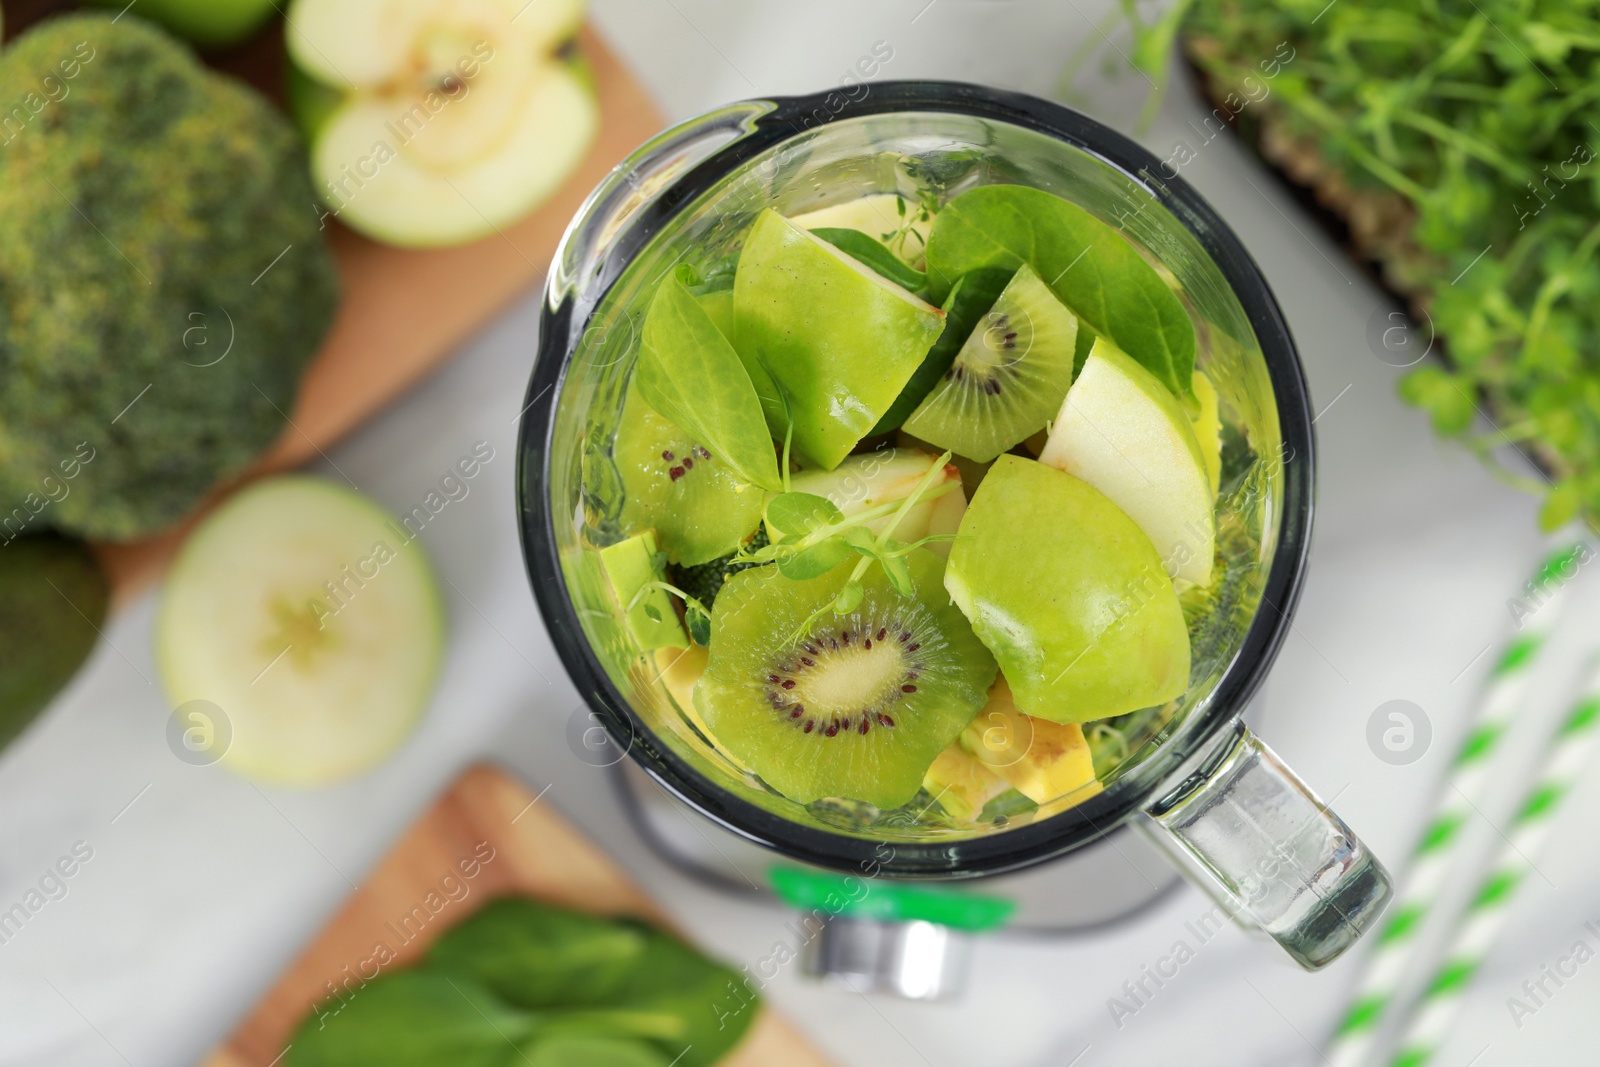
1008, 379
300, 631
1121, 431
961, 784
1046, 761
672, 484
1069, 595
1207, 424
898, 222
680, 670
840, 662
872, 479
839, 340
630, 566
436, 122
971, 470
854, 705
964, 309
1090, 265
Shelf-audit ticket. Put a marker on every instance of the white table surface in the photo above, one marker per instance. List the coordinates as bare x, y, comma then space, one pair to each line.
202, 886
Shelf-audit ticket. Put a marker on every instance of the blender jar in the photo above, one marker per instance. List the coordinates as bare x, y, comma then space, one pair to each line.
1227, 810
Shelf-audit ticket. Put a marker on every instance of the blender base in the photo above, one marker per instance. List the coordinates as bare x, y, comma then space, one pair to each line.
1095, 887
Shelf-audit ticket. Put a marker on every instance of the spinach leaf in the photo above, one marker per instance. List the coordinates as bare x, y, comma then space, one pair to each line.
423, 1018
575, 1051
973, 294
1082, 347
875, 254
1089, 265
714, 1002
718, 303
537, 956
693, 377
411, 1019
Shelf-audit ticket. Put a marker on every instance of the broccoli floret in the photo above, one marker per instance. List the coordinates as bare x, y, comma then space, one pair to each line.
163, 278
705, 581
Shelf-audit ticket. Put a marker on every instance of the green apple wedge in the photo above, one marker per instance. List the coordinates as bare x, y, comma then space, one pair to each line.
1121, 431
437, 122
838, 339
1068, 594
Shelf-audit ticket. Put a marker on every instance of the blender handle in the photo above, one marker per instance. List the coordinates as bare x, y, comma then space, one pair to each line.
1252, 834
629, 188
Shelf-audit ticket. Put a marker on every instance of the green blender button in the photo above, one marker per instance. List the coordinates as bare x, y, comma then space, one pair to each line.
869, 898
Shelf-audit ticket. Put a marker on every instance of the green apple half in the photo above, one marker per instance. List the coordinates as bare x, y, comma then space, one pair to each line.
840, 340
1069, 595
1121, 431
437, 122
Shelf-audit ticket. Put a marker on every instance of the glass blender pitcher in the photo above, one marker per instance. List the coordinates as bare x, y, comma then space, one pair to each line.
1228, 812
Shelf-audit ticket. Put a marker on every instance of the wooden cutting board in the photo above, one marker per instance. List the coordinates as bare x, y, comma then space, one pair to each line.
532, 851
404, 311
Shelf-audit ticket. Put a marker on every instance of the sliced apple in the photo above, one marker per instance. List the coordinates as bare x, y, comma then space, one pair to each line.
371, 44
1121, 431
900, 222
1069, 594
872, 479
840, 340
435, 122
1045, 761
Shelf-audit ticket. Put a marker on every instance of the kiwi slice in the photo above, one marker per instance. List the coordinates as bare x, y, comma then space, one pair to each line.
52, 603
855, 706
1009, 378
672, 484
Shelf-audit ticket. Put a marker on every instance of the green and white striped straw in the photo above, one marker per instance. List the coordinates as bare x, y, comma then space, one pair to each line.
1440, 846
1569, 750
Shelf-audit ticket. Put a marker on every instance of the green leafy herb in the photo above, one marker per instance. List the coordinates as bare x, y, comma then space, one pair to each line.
714, 1003
1463, 140
410, 1019
696, 616
425, 1018
814, 560
875, 254
525, 982
1088, 264
801, 513
691, 374
883, 549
